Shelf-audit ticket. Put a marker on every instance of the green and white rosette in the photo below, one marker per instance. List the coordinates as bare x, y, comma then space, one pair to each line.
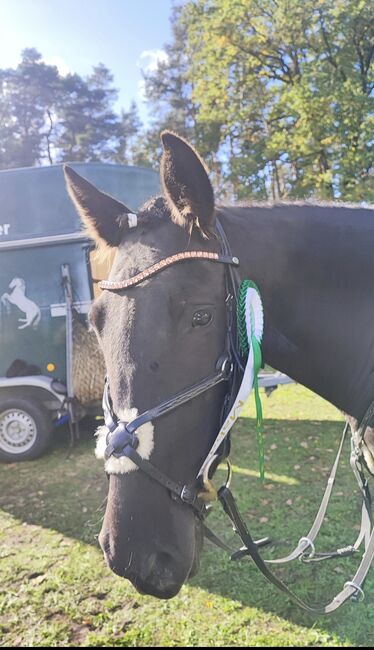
250, 320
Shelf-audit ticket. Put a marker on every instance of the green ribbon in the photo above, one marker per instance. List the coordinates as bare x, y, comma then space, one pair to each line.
259, 417
244, 337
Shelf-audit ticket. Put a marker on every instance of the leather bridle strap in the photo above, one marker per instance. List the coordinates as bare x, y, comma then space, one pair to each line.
113, 285
353, 588
122, 439
119, 432
186, 493
307, 543
250, 548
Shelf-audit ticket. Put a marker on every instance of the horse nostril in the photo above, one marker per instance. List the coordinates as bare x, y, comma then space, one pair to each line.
160, 565
161, 575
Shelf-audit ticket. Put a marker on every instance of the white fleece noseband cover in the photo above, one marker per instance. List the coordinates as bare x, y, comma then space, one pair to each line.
124, 465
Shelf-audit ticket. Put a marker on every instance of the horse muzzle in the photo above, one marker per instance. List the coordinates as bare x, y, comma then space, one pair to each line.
160, 574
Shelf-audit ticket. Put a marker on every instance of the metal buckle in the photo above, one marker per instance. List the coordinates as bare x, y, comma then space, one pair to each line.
229, 474
310, 544
224, 365
359, 595
356, 450
188, 494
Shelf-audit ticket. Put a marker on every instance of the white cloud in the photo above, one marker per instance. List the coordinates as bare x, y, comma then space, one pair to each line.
60, 64
148, 62
151, 59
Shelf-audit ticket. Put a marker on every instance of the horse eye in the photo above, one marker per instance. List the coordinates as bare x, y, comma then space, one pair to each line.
201, 317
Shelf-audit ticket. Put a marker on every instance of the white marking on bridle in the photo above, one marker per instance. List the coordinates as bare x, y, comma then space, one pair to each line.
132, 220
124, 465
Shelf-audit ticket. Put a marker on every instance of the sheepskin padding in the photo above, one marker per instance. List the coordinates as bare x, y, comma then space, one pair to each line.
124, 465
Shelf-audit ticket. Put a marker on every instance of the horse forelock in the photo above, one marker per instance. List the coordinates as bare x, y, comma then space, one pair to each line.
153, 212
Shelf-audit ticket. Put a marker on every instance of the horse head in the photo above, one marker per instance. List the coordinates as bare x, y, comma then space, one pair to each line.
159, 335
17, 283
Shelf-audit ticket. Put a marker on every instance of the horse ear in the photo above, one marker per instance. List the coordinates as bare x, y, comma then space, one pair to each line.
186, 184
101, 213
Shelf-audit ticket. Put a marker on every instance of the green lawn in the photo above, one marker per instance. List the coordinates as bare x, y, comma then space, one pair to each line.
56, 590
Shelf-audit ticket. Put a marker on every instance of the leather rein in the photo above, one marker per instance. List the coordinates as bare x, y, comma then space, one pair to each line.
122, 441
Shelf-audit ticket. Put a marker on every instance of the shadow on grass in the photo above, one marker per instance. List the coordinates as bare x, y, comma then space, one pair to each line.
65, 490
298, 462
67, 495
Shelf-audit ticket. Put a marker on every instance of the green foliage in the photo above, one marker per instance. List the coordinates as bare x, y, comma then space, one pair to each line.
47, 117
26, 100
89, 125
285, 86
169, 91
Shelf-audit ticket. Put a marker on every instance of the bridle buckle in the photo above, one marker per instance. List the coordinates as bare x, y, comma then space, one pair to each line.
358, 595
225, 365
188, 494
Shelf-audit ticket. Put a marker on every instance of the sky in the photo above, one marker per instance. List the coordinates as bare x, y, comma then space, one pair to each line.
126, 35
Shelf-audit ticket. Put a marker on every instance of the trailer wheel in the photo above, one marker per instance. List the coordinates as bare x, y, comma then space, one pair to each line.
25, 429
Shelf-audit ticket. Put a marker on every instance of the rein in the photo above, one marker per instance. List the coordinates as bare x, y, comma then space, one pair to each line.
123, 441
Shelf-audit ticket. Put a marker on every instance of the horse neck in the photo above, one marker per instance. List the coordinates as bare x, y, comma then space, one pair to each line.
314, 314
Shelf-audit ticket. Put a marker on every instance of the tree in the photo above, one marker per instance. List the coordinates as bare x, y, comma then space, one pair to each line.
129, 136
89, 127
45, 117
27, 96
286, 85
170, 94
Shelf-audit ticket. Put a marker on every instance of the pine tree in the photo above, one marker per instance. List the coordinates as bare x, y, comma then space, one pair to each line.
27, 96
89, 127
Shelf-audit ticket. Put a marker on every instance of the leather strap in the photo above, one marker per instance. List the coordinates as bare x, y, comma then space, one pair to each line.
163, 264
306, 542
349, 590
119, 432
186, 493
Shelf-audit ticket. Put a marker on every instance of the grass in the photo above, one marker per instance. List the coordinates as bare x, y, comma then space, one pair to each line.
56, 590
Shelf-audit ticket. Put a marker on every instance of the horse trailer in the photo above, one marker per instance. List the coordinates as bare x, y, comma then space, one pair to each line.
48, 275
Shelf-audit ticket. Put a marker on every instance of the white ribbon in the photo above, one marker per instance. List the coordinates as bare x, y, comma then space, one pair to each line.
254, 317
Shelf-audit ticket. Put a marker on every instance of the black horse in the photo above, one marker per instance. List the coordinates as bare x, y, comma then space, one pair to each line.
314, 266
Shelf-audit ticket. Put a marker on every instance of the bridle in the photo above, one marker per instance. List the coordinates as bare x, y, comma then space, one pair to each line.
122, 441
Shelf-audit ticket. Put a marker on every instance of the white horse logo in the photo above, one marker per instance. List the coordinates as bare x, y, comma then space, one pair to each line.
17, 297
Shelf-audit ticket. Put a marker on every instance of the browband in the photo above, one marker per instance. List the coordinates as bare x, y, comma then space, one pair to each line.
168, 261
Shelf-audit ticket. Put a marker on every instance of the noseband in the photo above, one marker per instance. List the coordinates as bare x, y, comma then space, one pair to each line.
122, 440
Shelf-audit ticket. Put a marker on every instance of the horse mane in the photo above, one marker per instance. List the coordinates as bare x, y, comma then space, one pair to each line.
156, 211
300, 203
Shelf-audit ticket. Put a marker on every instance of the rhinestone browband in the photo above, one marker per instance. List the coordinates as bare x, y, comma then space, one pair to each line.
160, 266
